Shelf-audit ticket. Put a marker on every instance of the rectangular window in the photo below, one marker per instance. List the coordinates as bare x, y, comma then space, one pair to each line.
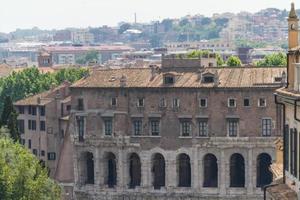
68, 107
203, 127
246, 102
108, 127
34, 151
31, 110
162, 103
21, 126
286, 147
51, 156
176, 103
29, 144
113, 101
154, 123
203, 103
262, 102
42, 111
266, 127
137, 126
23, 141
80, 104
42, 126
42, 153
32, 125
186, 128
21, 109
80, 124
140, 102
231, 102
232, 125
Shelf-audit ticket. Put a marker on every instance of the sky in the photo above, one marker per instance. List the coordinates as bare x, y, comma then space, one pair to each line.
59, 14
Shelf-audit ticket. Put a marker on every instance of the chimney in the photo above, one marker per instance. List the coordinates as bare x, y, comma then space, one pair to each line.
123, 81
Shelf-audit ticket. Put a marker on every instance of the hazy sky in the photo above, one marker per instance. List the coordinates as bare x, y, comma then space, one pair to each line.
83, 13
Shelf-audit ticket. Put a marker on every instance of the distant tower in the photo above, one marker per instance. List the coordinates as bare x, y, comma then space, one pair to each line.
293, 28
135, 18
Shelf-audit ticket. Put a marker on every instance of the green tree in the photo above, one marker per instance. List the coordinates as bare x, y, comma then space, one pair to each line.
21, 175
276, 59
199, 53
233, 61
90, 56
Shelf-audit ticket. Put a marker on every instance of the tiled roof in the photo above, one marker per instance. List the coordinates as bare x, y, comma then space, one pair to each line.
280, 191
55, 49
142, 78
41, 98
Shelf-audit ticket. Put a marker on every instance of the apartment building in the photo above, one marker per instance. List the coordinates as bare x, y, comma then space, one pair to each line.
181, 131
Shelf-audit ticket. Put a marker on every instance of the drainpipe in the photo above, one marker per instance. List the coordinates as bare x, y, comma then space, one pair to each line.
265, 189
284, 141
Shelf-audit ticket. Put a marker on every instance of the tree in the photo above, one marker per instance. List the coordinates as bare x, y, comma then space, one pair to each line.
90, 56
21, 175
233, 61
8, 109
278, 59
198, 53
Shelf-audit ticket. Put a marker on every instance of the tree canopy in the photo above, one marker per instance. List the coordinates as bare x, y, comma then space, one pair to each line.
91, 56
199, 53
21, 175
233, 61
276, 59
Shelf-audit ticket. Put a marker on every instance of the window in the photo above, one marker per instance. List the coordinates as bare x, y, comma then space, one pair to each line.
231, 102
51, 156
140, 102
108, 126
162, 103
203, 127
154, 123
42, 125
262, 102
42, 111
80, 125
21, 109
186, 128
137, 127
32, 110
34, 151
21, 126
32, 125
176, 103
68, 107
23, 141
114, 101
42, 153
266, 127
80, 104
208, 79
169, 79
232, 127
203, 103
29, 144
246, 102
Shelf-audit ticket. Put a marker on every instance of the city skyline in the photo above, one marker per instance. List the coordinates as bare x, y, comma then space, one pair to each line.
84, 13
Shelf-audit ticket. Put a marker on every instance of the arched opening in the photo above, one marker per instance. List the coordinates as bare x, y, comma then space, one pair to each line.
237, 170
90, 168
158, 171
184, 170
210, 171
111, 170
134, 170
263, 174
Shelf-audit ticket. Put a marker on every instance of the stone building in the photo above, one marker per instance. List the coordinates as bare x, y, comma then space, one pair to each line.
181, 131
42, 123
288, 98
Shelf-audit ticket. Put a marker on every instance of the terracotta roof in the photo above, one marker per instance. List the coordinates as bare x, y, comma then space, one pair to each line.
281, 191
41, 98
142, 78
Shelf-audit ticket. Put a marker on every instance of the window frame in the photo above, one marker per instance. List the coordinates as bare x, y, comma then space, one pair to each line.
183, 128
139, 101
230, 122
108, 130
176, 103
249, 104
154, 126
200, 102
263, 129
201, 128
265, 102
228, 102
114, 102
137, 126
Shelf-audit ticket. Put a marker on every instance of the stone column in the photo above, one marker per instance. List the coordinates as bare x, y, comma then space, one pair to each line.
76, 160
120, 172
196, 174
145, 172
97, 167
171, 175
223, 169
249, 172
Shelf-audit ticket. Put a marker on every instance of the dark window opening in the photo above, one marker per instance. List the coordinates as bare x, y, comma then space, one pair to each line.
169, 80
184, 171
237, 170
154, 123
233, 127
246, 102
29, 144
111, 179
286, 147
203, 128
114, 101
203, 103
42, 111
158, 171
42, 125
80, 124
264, 176
134, 170
21, 109
137, 127
51, 156
80, 104
140, 102
108, 127
208, 79
21, 126
186, 128
210, 172
90, 168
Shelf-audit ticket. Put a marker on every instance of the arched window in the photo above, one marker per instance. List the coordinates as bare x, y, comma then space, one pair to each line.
237, 170
111, 170
134, 170
158, 171
184, 170
263, 174
210, 171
